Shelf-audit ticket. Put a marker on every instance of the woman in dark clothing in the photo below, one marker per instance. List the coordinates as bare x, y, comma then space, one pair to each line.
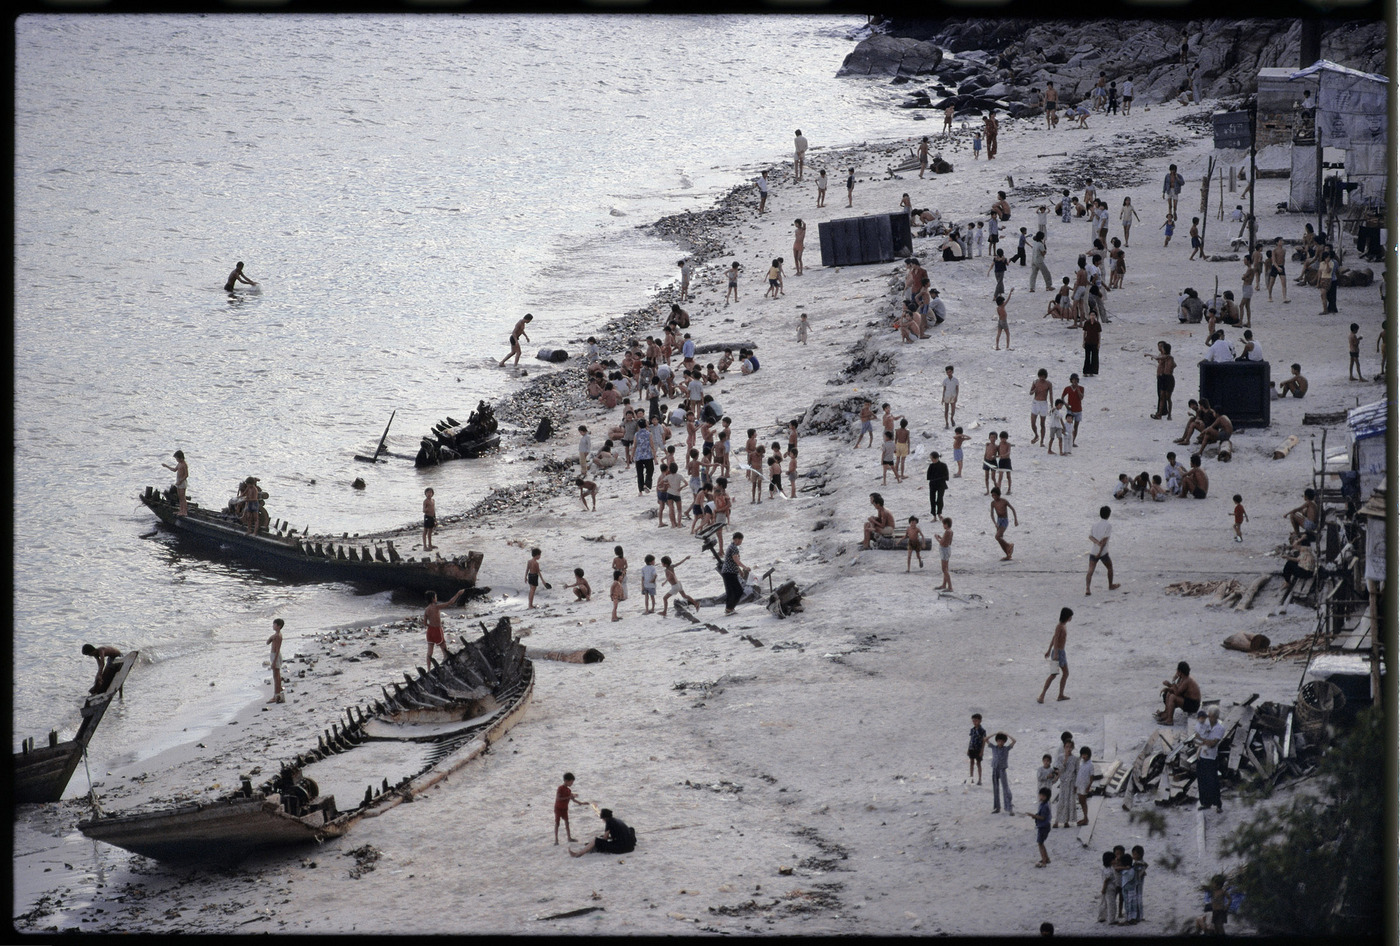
617, 837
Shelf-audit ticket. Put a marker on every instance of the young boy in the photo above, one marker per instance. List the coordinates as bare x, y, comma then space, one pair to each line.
914, 539
1082, 780
792, 472
997, 511
429, 518
802, 326
1134, 910
1001, 755
733, 292
1045, 776
1167, 228
533, 576
977, 738
1108, 879
1196, 240
945, 553
275, 661
901, 450
1002, 325
1042, 825
1354, 353
619, 563
669, 570
649, 583
587, 489
1055, 654
563, 795
950, 399
617, 593
1239, 515
1057, 428
887, 459
867, 423
959, 438
585, 448
991, 475
581, 589
1004, 459
976, 145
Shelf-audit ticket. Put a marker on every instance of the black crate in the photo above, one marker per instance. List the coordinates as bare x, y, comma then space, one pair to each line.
1238, 388
851, 241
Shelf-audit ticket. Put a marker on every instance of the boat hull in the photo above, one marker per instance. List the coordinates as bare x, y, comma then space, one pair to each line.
288, 555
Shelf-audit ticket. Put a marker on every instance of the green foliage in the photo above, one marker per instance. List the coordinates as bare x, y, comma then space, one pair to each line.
1155, 822
1316, 866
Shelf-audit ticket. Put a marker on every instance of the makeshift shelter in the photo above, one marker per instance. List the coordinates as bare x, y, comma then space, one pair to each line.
1367, 424
1348, 113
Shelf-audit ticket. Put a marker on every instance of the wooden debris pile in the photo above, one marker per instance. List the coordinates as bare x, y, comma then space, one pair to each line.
1269, 741
1224, 592
1300, 649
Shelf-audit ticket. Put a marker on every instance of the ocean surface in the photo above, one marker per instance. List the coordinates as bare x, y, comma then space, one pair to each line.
402, 188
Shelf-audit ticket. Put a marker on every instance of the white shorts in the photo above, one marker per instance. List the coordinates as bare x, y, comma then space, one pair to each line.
1040, 408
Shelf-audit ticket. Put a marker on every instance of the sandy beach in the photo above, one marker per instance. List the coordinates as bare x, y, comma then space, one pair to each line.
808, 775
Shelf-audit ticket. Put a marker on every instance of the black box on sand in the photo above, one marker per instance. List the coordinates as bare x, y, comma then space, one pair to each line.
1240, 389
876, 239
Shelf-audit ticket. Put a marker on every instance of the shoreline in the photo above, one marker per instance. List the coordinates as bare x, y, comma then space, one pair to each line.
805, 776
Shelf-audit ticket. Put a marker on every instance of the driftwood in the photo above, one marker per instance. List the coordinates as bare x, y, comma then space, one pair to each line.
1252, 592
587, 656
1282, 449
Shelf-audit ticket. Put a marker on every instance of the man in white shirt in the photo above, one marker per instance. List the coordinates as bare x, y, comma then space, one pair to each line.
1252, 350
1209, 733
1220, 350
1098, 548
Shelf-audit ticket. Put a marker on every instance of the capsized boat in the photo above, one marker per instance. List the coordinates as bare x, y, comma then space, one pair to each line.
42, 773
279, 549
428, 727
454, 441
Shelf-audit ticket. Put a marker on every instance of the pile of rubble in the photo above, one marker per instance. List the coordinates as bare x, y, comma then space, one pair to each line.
1268, 742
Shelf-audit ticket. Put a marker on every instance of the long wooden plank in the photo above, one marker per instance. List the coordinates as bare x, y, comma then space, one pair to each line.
1086, 832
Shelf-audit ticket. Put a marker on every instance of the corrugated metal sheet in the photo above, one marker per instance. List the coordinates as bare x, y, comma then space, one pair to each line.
1368, 420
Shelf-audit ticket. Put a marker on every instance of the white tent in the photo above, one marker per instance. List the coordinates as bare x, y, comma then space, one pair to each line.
1350, 116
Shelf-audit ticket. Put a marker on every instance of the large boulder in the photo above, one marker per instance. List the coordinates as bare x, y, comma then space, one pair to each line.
882, 55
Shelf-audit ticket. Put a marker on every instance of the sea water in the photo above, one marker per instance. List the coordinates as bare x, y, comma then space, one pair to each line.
403, 189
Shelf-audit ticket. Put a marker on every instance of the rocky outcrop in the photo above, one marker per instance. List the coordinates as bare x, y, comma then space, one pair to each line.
1009, 60
885, 55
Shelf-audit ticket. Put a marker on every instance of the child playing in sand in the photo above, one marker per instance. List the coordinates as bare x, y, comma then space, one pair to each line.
619, 564
1042, 825
1354, 353
733, 291
669, 570
587, 489
1004, 460
998, 510
976, 740
581, 589
802, 329
1167, 228
991, 475
792, 472
1195, 234
945, 553
914, 539
950, 397
821, 188
1002, 745
429, 518
1239, 516
585, 447
618, 592
1001, 320
533, 575
1045, 776
563, 795
775, 279
959, 438
649, 583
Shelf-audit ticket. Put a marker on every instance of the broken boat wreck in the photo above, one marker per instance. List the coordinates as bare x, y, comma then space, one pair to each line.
277, 548
432, 724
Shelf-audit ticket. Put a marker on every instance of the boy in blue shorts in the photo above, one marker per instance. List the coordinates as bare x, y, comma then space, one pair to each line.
1042, 825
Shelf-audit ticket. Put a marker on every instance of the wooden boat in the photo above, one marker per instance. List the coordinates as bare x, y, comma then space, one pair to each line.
450, 714
276, 548
455, 441
41, 774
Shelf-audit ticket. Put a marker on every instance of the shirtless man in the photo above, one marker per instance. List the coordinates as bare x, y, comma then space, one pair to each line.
432, 616
1219, 431
105, 656
997, 510
880, 524
252, 504
867, 424
515, 335
1297, 385
1052, 99
1166, 379
236, 277
1195, 483
1040, 403
182, 475
587, 489
1274, 269
1180, 692
1304, 518
923, 156
1201, 418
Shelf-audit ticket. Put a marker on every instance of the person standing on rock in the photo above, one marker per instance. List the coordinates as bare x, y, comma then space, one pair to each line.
515, 335
989, 128
799, 146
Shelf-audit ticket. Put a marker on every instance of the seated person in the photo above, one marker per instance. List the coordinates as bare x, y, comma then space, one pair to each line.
1304, 518
1140, 484
1190, 308
1195, 483
1297, 385
748, 361
1180, 692
1200, 416
726, 360
1174, 472
617, 837
1220, 350
1300, 561
952, 247
1124, 487
1229, 309
604, 458
880, 524
1156, 490
1219, 431
1062, 306
711, 375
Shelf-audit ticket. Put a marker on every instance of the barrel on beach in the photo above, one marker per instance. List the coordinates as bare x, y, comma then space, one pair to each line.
1240, 389
875, 239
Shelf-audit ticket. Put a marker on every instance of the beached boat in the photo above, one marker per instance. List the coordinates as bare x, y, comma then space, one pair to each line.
277, 548
426, 728
455, 441
42, 773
